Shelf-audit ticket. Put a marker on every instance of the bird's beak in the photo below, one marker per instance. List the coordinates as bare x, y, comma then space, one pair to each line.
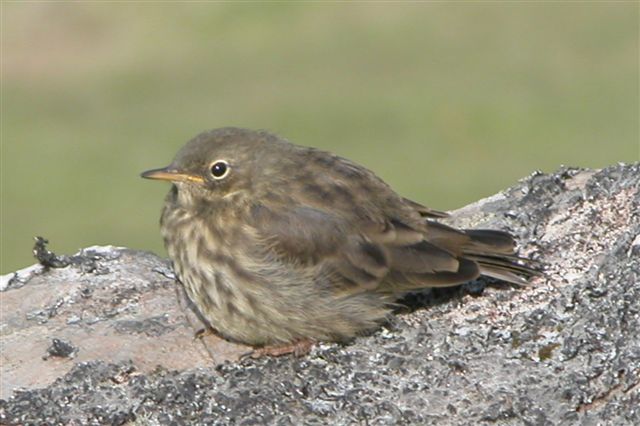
171, 174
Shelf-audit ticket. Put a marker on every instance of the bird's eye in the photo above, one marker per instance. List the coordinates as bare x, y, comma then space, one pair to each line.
219, 169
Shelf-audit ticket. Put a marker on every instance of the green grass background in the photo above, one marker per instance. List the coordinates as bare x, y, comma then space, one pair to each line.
448, 102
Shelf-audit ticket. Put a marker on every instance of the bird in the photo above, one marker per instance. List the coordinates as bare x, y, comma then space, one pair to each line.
280, 246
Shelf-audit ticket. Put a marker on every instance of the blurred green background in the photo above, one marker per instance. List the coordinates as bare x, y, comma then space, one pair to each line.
447, 102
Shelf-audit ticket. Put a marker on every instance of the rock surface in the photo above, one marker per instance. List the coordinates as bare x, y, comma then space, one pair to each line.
101, 338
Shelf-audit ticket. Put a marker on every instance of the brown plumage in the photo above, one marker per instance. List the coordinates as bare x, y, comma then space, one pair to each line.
277, 243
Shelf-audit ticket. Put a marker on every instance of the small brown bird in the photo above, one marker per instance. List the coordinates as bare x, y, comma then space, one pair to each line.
279, 245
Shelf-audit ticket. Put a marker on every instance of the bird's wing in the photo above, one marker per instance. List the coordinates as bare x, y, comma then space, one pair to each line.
354, 257
308, 237
353, 228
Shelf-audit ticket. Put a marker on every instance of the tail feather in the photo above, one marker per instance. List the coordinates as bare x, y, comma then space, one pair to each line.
473, 252
490, 240
506, 263
504, 275
494, 252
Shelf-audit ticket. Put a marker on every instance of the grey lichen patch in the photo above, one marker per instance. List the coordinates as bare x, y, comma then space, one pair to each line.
152, 327
45, 314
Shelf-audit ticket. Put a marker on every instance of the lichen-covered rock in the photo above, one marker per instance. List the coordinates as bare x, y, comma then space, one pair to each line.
104, 303
563, 351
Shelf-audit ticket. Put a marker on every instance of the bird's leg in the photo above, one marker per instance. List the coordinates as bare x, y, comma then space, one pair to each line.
206, 331
202, 333
297, 348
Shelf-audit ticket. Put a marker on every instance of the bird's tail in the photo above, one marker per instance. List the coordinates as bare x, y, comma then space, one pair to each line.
494, 252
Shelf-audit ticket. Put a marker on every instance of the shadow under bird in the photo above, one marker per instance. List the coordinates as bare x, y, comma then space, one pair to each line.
280, 245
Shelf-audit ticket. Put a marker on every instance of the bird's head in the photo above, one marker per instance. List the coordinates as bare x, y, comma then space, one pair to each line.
216, 164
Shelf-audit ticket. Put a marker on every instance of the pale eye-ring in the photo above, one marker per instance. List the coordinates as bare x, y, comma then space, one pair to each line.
219, 169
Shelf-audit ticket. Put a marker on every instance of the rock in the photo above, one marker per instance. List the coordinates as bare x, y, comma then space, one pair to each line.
108, 303
564, 350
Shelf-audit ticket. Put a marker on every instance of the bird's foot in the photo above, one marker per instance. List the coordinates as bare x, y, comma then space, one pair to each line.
298, 348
